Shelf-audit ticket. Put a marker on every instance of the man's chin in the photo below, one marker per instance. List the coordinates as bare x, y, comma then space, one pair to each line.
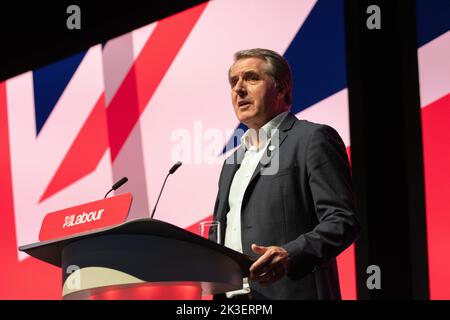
246, 121
245, 116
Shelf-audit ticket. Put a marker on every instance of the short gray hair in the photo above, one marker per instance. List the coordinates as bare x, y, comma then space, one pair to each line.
277, 68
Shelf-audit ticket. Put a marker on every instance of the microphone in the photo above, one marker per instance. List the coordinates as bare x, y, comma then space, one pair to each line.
175, 167
117, 185
171, 171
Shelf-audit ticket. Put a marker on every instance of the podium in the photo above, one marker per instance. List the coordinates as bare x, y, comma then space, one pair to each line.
137, 254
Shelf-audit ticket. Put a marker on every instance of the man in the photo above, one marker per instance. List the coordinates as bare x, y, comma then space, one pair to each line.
294, 212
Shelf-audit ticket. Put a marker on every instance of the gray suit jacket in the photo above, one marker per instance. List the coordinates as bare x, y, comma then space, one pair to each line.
306, 207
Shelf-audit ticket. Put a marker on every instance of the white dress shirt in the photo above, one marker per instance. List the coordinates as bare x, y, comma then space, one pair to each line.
239, 184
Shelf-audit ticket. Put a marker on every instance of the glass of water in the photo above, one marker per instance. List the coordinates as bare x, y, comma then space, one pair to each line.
210, 230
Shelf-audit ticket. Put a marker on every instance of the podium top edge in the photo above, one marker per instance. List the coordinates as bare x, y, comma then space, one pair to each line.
50, 251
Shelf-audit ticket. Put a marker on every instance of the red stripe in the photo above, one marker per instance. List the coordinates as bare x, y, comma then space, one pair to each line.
347, 265
8, 242
347, 273
436, 142
30, 279
146, 74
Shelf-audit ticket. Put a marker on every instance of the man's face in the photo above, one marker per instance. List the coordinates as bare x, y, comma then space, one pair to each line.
255, 98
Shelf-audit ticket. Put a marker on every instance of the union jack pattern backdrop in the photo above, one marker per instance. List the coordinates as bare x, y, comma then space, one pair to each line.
433, 29
68, 131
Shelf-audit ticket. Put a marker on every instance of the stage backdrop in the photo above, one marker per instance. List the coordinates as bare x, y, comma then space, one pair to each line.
138, 103
433, 25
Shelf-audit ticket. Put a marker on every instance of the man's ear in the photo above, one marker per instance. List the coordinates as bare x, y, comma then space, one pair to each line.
281, 90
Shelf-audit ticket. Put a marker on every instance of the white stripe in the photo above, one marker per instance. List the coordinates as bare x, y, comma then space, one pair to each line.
117, 61
130, 163
118, 58
434, 69
140, 37
119, 55
332, 111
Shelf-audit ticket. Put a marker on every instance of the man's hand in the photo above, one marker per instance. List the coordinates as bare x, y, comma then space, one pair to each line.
271, 266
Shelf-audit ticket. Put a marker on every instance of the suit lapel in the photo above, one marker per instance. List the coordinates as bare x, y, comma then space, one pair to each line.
274, 145
233, 163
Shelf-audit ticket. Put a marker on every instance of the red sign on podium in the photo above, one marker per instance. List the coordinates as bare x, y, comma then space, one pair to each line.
86, 217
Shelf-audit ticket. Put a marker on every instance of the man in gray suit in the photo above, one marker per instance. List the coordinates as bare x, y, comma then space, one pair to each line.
285, 195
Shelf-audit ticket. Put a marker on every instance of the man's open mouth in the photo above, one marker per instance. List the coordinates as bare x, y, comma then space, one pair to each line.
243, 103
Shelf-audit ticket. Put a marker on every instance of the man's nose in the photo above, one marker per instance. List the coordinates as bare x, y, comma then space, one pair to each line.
240, 89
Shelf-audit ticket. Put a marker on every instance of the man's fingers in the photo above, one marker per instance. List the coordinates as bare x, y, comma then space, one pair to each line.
265, 259
270, 258
266, 272
274, 258
259, 249
271, 266
266, 275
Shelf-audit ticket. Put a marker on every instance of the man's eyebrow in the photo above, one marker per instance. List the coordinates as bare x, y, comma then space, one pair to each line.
232, 79
246, 74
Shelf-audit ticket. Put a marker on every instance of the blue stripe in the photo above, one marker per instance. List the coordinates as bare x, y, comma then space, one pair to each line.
49, 84
317, 55
433, 19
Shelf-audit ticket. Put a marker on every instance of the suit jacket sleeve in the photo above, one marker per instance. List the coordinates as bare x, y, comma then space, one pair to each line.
331, 188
